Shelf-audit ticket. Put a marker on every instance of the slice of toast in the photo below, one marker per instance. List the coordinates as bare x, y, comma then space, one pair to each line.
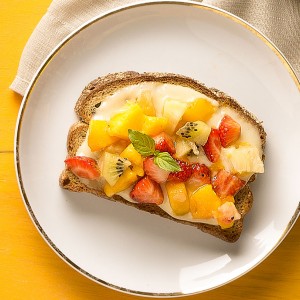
100, 88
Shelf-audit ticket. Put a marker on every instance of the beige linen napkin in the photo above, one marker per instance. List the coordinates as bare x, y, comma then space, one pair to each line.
277, 19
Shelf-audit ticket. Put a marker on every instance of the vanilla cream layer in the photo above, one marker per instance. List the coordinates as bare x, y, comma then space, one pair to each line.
114, 103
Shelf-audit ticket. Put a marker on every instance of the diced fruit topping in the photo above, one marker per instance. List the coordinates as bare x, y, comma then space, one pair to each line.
197, 132
173, 111
130, 117
131, 154
226, 214
147, 190
154, 171
199, 110
226, 184
146, 103
200, 176
83, 167
98, 137
117, 147
245, 159
184, 174
113, 167
164, 143
125, 181
229, 131
178, 197
203, 202
183, 147
154, 125
212, 148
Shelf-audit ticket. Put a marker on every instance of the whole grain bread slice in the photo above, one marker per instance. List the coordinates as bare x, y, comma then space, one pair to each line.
101, 87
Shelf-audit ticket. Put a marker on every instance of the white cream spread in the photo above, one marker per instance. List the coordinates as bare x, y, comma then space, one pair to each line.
159, 93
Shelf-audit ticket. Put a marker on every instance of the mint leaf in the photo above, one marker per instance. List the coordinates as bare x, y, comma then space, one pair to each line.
165, 161
143, 143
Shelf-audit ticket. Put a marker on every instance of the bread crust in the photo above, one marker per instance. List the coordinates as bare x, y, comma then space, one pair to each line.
98, 89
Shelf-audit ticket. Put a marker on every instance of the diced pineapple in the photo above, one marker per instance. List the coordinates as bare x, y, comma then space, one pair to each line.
118, 147
131, 117
124, 182
203, 202
135, 158
178, 197
199, 110
245, 159
154, 125
98, 137
146, 103
173, 111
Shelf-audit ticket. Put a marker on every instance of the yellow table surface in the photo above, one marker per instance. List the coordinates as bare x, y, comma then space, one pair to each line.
29, 268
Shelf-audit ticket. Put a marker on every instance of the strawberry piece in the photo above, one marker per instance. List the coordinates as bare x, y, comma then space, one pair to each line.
147, 190
154, 171
225, 184
83, 167
164, 143
184, 174
229, 131
212, 148
200, 175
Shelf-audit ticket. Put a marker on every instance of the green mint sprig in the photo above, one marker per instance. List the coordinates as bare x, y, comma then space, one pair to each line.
145, 145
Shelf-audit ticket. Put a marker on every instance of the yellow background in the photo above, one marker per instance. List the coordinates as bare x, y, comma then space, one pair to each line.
29, 269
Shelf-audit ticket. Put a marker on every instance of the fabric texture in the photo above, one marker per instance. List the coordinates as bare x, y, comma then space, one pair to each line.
279, 20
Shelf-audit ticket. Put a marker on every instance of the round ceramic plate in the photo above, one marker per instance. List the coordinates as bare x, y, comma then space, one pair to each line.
119, 246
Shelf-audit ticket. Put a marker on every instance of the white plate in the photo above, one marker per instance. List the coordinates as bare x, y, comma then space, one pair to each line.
121, 247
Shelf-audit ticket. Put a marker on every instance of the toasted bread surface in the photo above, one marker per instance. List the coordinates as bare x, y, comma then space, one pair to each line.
101, 87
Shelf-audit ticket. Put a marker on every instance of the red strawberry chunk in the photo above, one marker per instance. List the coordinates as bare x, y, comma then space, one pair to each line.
147, 190
154, 171
229, 131
83, 167
184, 174
212, 148
225, 184
164, 143
200, 175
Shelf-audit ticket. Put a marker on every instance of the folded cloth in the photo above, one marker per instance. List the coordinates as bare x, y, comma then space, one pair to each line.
277, 19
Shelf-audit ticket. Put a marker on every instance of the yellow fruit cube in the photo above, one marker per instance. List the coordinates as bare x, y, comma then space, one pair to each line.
98, 137
178, 197
131, 117
199, 110
203, 202
154, 125
173, 111
124, 182
135, 158
146, 103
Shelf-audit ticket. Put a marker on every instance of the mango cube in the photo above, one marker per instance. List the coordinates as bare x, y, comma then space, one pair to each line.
124, 182
199, 110
98, 137
131, 117
135, 158
178, 197
154, 125
204, 202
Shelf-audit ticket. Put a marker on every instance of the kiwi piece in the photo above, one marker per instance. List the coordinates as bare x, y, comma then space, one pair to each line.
197, 132
113, 167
